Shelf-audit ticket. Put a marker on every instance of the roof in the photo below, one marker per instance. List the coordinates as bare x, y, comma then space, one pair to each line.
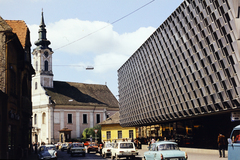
65, 130
20, 28
4, 26
72, 93
114, 119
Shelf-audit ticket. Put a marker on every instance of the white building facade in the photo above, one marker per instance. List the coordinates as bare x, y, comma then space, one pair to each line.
64, 105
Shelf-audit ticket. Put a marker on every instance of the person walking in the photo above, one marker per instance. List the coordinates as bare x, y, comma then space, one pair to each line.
221, 145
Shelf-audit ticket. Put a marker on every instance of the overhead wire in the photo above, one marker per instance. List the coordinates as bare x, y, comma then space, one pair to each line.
106, 25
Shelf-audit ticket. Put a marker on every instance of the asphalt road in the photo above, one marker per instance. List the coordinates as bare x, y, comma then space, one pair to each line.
93, 156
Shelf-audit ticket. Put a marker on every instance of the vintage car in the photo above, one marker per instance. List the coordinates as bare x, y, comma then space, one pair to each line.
47, 152
234, 144
64, 146
106, 150
77, 148
92, 147
124, 149
165, 150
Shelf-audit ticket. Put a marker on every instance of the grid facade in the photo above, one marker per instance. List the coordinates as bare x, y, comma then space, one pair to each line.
188, 67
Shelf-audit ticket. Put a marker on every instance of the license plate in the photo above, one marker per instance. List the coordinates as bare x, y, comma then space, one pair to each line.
174, 159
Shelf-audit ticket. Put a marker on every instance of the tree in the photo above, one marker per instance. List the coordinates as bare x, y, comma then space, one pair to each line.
87, 132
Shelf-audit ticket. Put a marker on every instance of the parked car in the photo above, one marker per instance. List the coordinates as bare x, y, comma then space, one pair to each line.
92, 147
64, 146
106, 150
47, 152
77, 148
234, 144
165, 150
124, 149
58, 144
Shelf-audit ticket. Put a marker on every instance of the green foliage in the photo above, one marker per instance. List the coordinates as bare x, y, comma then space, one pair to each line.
87, 132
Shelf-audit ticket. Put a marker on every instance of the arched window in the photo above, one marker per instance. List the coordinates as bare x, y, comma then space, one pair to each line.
46, 66
35, 119
43, 118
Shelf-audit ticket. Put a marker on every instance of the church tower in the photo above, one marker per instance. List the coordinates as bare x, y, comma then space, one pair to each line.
42, 59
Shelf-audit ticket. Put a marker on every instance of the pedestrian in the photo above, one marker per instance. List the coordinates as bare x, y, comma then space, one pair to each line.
153, 141
221, 145
35, 148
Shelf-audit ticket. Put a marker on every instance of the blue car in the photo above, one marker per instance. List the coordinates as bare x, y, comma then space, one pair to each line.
165, 150
234, 144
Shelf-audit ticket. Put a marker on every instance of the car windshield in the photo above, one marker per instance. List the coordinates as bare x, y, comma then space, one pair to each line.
167, 147
236, 136
78, 145
50, 148
109, 145
126, 145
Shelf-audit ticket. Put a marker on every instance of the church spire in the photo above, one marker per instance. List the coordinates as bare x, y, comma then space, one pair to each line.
42, 42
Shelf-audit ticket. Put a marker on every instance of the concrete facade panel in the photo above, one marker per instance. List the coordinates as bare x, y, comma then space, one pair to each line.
188, 67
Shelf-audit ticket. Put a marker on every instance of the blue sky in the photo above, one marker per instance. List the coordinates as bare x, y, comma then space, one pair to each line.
73, 20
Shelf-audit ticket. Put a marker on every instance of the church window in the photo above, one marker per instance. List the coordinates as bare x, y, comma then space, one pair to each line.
69, 118
35, 119
43, 118
98, 118
46, 66
84, 118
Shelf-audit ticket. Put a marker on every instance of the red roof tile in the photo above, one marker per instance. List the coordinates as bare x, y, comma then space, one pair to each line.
20, 28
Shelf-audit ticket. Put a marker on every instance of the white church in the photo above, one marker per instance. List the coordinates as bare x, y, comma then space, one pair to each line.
62, 110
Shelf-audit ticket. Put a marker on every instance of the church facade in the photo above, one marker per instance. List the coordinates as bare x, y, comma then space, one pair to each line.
62, 110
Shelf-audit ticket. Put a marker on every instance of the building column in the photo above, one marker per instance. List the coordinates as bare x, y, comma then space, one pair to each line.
91, 120
51, 124
61, 119
77, 125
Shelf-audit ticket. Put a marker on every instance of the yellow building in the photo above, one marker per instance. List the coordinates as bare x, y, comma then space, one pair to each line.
112, 130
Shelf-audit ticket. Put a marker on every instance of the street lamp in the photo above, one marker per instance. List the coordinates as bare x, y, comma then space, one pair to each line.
90, 68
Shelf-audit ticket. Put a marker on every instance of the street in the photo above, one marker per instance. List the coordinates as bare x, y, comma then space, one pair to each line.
91, 155
192, 156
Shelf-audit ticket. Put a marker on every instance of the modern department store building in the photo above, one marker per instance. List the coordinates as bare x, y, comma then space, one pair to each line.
183, 83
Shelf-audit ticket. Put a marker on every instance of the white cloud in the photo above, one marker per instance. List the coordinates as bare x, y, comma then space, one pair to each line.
97, 40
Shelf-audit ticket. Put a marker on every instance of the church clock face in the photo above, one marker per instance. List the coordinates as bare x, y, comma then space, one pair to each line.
46, 54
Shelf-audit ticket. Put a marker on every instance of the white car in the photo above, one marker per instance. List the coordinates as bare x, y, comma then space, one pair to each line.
77, 148
124, 149
106, 150
165, 150
47, 152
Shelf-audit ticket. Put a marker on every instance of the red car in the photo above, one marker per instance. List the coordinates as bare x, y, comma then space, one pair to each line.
92, 147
